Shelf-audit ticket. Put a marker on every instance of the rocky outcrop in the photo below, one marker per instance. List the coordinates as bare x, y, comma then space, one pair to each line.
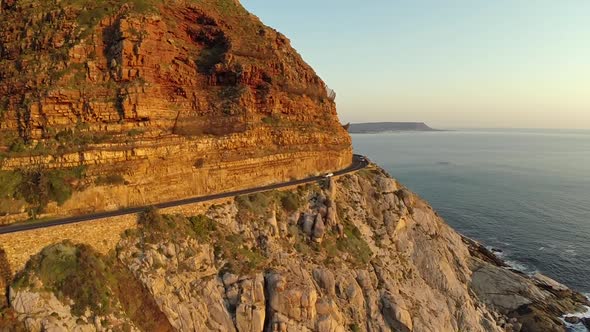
44, 312
155, 102
383, 261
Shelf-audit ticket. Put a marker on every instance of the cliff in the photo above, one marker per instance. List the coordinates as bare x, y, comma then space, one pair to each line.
378, 127
107, 104
360, 253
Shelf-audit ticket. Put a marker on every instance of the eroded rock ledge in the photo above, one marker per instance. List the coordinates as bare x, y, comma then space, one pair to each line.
361, 253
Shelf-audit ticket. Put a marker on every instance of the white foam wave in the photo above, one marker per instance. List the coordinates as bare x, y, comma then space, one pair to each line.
512, 264
583, 314
520, 267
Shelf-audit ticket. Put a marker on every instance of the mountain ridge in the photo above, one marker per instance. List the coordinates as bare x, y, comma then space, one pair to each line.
378, 127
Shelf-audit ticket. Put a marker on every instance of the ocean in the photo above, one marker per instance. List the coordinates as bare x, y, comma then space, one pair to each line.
525, 192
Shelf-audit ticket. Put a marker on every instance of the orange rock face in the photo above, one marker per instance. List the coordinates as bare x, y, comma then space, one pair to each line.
180, 99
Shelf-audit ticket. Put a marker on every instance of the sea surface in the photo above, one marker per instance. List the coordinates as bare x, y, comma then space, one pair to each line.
525, 192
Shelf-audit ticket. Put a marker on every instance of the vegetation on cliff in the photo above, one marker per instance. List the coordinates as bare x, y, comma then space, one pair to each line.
38, 187
93, 283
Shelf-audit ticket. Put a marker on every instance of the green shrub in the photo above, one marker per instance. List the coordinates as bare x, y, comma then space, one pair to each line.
59, 190
257, 203
40, 149
291, 201
354, 327
17, 146
134, 132
202, 227
39, 186
271, 120
9, 182
239, 258
150, 218
34, 189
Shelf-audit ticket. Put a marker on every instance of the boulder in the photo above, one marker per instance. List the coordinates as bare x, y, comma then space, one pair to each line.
307, 224
251, 310
502, 289
319, 229
331, 216
272, 222
325, 279
396, 314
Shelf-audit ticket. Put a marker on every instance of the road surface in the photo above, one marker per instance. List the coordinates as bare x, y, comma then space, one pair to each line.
359, 162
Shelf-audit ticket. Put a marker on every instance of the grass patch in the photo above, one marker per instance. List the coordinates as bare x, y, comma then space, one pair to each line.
354, 244
202, 227
259, 204
256, 204
240, 259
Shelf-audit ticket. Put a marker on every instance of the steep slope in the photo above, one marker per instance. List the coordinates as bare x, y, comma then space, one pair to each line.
155, 100
358, 254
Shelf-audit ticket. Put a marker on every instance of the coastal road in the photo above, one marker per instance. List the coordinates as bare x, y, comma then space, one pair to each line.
359, 162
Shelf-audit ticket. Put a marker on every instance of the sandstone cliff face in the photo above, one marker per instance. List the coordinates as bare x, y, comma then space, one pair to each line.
169, 99
360, 253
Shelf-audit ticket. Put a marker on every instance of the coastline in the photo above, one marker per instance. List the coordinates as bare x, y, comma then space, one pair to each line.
399, 131
510, 190
577, 321
384, 127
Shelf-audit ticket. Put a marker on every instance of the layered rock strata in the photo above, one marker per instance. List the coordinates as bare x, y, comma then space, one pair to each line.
158, 100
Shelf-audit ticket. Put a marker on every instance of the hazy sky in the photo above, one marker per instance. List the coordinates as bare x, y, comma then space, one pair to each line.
451, 63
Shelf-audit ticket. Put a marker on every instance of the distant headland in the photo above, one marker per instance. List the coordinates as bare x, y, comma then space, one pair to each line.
378, 127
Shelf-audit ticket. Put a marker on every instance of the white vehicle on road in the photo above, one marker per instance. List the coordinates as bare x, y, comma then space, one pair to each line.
329, 175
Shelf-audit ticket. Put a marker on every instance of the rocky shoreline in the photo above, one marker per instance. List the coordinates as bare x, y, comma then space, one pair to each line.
559, 306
